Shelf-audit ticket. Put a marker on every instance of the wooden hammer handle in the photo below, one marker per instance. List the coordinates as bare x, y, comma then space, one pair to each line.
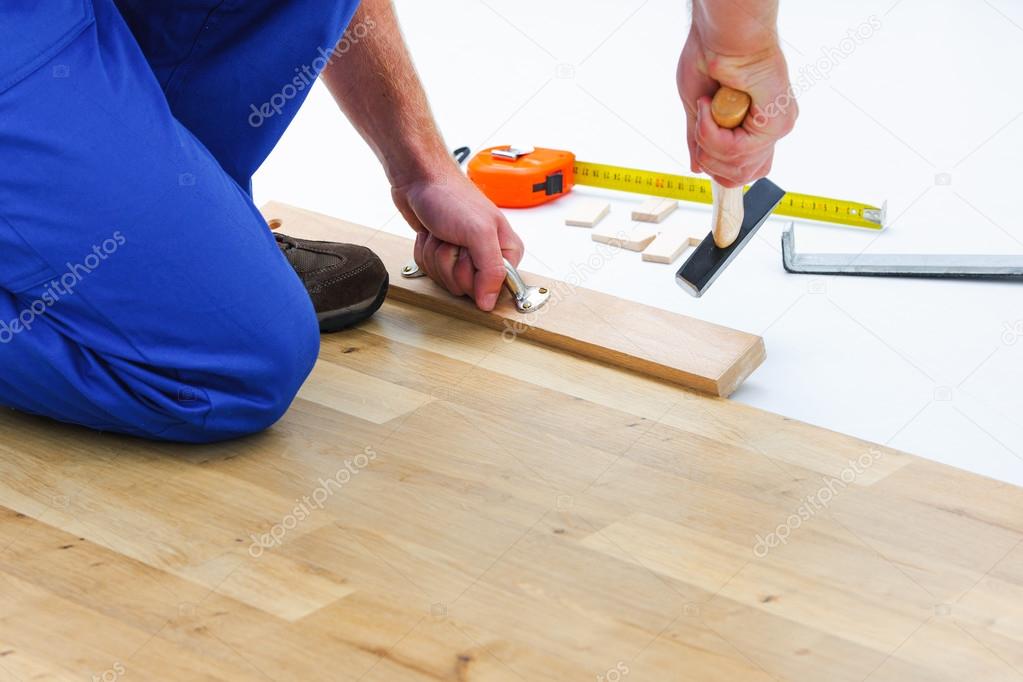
729, 109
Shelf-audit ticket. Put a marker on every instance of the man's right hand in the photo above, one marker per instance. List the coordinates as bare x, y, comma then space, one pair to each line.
734, 157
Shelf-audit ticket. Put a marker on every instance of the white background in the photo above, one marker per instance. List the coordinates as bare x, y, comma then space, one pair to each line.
925, 113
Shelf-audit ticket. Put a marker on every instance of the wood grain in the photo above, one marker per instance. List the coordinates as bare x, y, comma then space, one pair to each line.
690, 352
515, 513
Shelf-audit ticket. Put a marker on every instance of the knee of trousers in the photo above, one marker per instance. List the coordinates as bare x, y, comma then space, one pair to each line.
262, 384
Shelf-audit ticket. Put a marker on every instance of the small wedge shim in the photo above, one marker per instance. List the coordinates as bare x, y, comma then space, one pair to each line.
670, 244
588, 213
654, 210
633, 238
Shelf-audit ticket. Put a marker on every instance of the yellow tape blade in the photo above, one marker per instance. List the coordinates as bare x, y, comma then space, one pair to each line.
685, 188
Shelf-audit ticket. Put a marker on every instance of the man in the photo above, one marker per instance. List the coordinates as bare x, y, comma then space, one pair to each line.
141, 291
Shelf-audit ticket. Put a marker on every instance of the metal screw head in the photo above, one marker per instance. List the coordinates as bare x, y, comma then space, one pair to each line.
543, 290
527, 305
407, 269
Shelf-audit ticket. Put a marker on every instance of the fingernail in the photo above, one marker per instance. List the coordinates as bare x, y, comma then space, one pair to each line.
489, 301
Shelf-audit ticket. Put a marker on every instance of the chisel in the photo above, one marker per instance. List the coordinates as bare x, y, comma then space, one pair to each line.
737, 216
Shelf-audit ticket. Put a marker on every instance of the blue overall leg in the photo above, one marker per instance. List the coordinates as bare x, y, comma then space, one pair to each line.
140, 290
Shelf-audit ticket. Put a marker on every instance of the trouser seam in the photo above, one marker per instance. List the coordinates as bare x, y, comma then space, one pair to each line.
177, 73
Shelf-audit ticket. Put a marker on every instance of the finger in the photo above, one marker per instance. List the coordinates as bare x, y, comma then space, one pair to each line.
485, 251
730, 155
694, 165
512, 247
750, 177
738, 181
430, 258
445, 259
465, 271
727, 145
729, 174
417, 251
775, 119
765, 168
434, 254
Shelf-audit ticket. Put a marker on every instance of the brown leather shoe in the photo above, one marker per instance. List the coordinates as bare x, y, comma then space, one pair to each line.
347, 283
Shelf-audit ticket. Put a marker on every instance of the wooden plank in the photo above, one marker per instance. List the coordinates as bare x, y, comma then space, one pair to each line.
541, 517
692, 353
588, 213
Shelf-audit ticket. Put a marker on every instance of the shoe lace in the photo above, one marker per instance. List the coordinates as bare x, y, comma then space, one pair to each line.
284, 242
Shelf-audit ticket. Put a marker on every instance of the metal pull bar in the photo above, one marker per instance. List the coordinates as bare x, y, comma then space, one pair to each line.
527, 299
945, 266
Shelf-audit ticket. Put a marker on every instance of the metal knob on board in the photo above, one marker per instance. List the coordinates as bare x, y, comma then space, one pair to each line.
527, 298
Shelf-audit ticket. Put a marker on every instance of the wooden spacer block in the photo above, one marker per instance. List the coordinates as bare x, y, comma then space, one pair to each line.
669, 245
654, 210
588, 213
632, 238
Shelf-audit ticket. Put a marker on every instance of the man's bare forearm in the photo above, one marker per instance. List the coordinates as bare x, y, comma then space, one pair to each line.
737, 27
376, 85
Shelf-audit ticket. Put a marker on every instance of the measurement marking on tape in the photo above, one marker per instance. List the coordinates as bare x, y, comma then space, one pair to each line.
685, 188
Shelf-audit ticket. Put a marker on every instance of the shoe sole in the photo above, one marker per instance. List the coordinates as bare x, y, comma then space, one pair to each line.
343, 318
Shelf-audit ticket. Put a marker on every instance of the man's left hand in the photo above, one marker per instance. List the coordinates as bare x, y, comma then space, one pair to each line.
461, 237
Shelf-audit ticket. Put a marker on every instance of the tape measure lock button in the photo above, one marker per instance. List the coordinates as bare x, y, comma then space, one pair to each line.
511, 152
554, 185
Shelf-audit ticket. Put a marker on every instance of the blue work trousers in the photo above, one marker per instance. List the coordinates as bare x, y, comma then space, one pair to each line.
141, 291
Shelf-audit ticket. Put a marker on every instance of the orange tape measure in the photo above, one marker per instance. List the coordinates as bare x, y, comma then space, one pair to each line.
520, 177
